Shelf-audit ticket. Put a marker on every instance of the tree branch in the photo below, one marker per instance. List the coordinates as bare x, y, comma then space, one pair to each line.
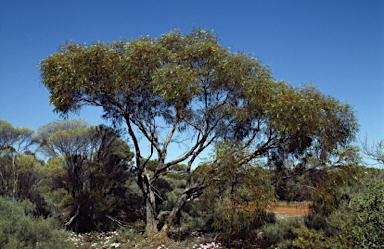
73, 217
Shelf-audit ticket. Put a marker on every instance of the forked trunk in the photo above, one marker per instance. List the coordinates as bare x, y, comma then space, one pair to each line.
165, 229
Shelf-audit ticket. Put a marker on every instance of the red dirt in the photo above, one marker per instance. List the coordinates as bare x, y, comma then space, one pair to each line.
292, 209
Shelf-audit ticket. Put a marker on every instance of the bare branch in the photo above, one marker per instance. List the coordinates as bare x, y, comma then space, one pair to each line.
168, 140
374, 151
73, 217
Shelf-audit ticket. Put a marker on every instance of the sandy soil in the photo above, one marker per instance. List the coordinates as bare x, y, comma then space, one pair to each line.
292, 209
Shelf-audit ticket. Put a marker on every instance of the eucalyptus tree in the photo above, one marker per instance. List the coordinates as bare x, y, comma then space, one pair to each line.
92, 165
187, 88
15, 145
16, 139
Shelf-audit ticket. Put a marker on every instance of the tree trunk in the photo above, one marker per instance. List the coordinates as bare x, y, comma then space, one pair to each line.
151, 226
5, 183
165, 229
15, 176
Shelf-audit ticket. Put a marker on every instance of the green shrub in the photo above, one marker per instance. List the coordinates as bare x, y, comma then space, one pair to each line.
308, 238
18, 230
337, 228
295, 233
281, 231
239, 224
126, 234
367, 222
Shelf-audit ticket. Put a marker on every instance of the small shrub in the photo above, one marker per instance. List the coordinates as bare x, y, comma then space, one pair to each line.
17, 230
239, 224
279, 232
310, 238
126, 234
367, 222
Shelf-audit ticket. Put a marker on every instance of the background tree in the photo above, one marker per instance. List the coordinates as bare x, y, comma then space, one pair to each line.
90, 167
20, 139
20, 170
182, 88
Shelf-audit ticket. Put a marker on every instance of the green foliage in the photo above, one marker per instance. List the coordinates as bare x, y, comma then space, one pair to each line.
310, 238
328, 224
89, 173
367, 222
20, 231
292, 184
337, 228
200, 91
330, 178
196, 215
334, 182
21, 176
238, 223
66, 138
192, 81
241, 193
21, 172
125, 234
294, 233
280, 232
333, 221
15, 139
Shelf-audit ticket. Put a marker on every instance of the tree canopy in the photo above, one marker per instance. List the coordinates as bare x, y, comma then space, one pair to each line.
15, 139
187, 88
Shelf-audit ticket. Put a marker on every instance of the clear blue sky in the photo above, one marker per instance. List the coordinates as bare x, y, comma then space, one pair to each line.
337, 45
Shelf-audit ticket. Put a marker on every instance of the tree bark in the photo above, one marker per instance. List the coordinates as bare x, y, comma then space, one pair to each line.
151, 226
5, 183
165, 229
188, 195
15, 176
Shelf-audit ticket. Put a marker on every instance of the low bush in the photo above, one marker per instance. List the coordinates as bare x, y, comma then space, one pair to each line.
280, 232
366, 225
18, 230
308, 238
